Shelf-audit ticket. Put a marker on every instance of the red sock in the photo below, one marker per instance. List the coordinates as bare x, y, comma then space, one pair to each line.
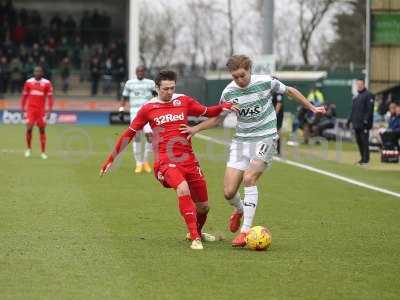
201, 219
28, 137
188, 212
43, 142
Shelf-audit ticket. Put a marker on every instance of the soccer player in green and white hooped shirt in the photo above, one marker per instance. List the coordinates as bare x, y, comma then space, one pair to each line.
254, 142
138, 91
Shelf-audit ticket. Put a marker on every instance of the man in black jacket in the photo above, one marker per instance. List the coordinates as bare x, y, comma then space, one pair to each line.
361, 117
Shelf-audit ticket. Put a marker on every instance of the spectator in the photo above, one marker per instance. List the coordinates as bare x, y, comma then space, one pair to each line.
361, 116
107, 76
95, 74
391, 111
85, 27
51, 43
326, 121
36, 19
306, 119
28, 68
391, 135
95, 25
120, 75
36, 52
85, 63
4, 75
56, 26
23, 17
19, 33
45, 66
76, 53
394, 121
65, 73
70, 27
16, 75
50, 55
56, 23
63, 49
11, 14
315, 96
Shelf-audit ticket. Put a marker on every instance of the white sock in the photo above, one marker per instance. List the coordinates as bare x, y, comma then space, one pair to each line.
147, 151
137, 152
249, 207
236, 202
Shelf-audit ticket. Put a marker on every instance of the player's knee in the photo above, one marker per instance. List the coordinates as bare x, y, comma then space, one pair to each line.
202, 207
42, 130
229, 193
249, 179
183, 189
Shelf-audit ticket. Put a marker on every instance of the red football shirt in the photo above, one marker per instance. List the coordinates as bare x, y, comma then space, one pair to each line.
35, 93
165, 118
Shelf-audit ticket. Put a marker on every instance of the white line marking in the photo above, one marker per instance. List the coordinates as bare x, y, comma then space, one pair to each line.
312, 169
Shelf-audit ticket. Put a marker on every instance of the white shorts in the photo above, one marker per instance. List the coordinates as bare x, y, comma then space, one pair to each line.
242, 153
147, 128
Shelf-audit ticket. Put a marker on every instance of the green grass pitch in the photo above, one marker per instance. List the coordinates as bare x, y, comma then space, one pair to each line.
67, 234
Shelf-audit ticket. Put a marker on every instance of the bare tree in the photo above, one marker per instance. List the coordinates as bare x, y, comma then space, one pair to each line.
159, 31
311, 14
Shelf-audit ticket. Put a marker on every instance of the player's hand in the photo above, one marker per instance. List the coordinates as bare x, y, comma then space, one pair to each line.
47, 115
319, 110
105, 168
230, 107
190, 131
121, 111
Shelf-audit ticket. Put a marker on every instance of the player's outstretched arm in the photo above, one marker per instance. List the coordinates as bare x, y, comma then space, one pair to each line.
216, 115
123, 141
299, 97
207, 124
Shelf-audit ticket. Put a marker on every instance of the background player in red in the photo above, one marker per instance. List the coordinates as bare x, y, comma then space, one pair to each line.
33, 103
175, 164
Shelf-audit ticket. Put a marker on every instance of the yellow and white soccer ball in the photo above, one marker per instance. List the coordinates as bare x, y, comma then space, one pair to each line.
258, 238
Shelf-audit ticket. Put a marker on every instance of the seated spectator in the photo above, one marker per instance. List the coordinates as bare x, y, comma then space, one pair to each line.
306, 120
326, 121
391, 111
391, 134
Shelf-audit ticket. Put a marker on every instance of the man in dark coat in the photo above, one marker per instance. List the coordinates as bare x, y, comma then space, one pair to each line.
361, 117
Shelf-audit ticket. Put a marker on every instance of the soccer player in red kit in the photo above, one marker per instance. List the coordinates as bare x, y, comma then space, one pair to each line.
175, 164
33, 102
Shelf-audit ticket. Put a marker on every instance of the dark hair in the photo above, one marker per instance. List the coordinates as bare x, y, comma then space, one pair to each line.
361, 79
239, 61
165, 75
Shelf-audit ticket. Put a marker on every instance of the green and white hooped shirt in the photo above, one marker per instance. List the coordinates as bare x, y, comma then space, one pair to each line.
138, 92
256, 118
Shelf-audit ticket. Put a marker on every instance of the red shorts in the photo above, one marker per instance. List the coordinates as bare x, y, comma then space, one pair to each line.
36, 116
171, 175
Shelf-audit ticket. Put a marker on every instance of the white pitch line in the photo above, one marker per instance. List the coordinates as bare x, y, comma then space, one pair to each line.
312, 169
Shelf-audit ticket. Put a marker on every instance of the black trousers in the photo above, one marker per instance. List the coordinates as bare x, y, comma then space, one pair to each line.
362, 138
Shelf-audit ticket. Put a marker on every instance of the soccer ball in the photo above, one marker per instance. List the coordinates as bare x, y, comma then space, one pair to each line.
258, 238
